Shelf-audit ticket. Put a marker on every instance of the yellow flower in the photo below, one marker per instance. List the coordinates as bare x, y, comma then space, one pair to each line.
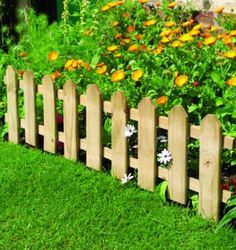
165, 32
137, 75
162, 100
169, 24
52, 56
233, 33
176, 44
181, 80
68, 64
112, 48
197, 27
114, 4
232, 82
102, 69
115, 24
117, 55
171, 5
194, 32
176, 31
165, 39
187, 23
210, 40
213, 28
149, 22
133, 48
186, 38
105, 8
219, 10
230, 54
142, 1
118, 76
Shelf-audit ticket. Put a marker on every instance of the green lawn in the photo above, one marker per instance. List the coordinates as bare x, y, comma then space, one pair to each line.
47, 202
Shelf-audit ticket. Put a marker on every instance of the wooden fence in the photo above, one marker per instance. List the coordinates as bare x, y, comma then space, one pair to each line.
179, 131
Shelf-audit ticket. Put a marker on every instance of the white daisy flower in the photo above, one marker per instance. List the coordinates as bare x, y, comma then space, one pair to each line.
129, 130
126, 178
162, 138
164, 156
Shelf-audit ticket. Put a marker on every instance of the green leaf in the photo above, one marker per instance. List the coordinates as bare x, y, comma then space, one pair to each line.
162, 189
107, 125
192, 108
216, 77
227, 218
95, 60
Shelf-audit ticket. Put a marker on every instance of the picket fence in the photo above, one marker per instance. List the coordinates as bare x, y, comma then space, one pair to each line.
179, 131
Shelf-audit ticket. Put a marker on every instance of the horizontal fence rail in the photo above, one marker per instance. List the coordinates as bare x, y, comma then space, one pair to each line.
179, 131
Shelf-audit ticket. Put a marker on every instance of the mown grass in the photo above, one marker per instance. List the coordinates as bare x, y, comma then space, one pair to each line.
47, 202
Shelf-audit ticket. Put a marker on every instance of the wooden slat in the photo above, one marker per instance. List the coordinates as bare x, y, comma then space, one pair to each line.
119, 142
177, 146
49, 114
107, 107
12, 105
147, 134
94, 127
31, 128
210, 168
40, 89
70, 121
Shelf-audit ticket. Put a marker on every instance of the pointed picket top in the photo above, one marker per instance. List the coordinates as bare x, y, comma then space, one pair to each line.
119, 141
210, 167
147, 133
94, 127
10, 74
178, 128
50, 125
70, 115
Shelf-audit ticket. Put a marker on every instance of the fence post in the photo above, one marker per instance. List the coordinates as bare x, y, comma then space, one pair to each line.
30, 109
210, 169
70, 117
177, 146
94, 127
119, 142
147, 136
49, 114
13, 121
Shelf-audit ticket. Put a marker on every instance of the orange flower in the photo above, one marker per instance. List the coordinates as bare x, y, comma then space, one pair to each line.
176, 44
142, 1
118, 76
52, 56
118, 36
219, 10
126, 15
133, 48
171, 5
227, 40
112, 48
187, 23
181, 80
210, 41
176, 31
232, 33
105, 8
232, 82
186, 38
205, 35
88, 32
169, 24
130, 28
115, 4
137, 75
23, 54
162, 100
139, 36
87, 66
149, 23
230, 54
102, 69
165, 32
115, 24
56, 74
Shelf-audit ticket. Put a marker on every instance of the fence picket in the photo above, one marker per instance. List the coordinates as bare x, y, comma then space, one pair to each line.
12, 105
49, 114
210, 168
30, 108
147, 133
94, 127
119, 142
177, 146
70, 118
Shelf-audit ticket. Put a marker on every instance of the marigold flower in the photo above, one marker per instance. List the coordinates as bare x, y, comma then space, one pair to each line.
171, 5
176, 44
205, 35
115, 24
219, 10
227, 40
118, 76
181, 80
230, 54
169, 24
232, 33
165, 32
87, 66
23, 54
162, 100
213, 28
142, 1
210, 41
130, 28
52, 56
232, 81
87, 32
133, 48
137, 75
126, 40
149, 22
197, 27
102, 69
176, 31
112, 48
139, 36
117, 55
118, 36
186, 38
194, 32
115, 4
68, 64
165, 39
55, 75
126, 15
105, 8
187, 23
